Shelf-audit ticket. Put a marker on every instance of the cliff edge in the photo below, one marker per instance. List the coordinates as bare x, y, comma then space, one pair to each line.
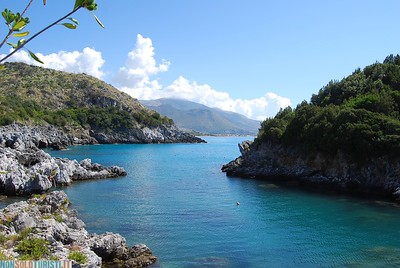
346, 139
376, 177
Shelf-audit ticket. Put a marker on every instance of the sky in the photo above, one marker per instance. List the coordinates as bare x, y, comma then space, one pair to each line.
252, 57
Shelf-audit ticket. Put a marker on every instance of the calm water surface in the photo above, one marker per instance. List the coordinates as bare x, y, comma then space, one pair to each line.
176, 200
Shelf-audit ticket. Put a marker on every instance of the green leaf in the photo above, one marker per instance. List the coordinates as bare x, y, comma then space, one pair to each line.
4, 14
2, 67
12, 45
74, 21
70, 25
98, 21
78, 3
19, 26
8, 16
21, 34
21, 42
91, 7
35, 57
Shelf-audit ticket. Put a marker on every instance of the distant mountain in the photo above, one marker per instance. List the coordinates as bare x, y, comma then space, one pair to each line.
196, 117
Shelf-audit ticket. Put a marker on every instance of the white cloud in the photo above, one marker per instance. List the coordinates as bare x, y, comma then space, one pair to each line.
134, 77
88, 61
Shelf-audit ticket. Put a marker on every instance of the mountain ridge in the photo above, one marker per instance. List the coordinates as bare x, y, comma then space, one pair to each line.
200, 118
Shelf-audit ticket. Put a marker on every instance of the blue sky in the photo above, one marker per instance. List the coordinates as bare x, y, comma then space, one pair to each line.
251, 57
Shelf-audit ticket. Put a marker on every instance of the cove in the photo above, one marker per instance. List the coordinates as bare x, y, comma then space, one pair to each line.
177, 201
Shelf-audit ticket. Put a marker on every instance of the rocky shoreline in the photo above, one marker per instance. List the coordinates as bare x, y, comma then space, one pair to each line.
45, 221
44, 227
25, 169
375, 177
53, 137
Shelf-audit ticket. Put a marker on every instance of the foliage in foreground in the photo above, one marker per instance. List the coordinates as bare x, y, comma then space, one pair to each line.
359, 115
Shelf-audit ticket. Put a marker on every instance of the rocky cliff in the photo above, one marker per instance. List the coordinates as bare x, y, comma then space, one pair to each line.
346, 139
44, 227
372, 177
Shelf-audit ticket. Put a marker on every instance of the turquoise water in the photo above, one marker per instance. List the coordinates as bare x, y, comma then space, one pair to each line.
178, 202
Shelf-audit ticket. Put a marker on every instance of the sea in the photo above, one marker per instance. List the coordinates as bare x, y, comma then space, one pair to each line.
176, 200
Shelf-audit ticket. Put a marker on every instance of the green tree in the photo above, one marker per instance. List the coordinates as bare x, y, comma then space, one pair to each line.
359, 115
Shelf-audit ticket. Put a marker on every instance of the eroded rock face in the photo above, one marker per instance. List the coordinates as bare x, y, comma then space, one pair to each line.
25, 169
160, 134
17, 135
47, 217
379, 176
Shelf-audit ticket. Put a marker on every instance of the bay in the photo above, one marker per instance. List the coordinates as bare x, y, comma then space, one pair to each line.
177, 201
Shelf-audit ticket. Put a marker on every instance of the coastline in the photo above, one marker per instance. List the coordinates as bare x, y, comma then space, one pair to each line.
45, 228
335, 174
45, 219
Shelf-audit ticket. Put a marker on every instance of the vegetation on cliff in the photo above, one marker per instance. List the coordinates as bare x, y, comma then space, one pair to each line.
359, 115
30, 94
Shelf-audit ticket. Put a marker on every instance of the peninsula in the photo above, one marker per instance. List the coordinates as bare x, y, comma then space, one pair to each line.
345, 140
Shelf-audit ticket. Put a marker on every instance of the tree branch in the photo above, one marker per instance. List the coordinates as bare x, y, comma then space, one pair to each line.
20, 18
40, 32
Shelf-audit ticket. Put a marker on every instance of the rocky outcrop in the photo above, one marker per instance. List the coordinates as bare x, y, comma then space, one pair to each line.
159, 134
371, 176
25, 169
44, 227
56, 138
16, 134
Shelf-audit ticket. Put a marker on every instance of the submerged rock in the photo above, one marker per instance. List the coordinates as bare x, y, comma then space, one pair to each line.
48, 220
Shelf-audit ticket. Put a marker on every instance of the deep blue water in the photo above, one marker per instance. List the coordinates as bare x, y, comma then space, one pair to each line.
176, 200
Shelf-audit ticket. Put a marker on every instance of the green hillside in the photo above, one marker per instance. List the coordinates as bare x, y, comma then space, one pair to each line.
36, 95
359, 115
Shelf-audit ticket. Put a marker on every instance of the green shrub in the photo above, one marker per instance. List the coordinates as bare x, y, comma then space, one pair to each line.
32, 249
24, 233
58, 217
3, 239
77, 256
4, 257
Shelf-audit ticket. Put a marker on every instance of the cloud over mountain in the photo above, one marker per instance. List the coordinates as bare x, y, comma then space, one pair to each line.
138, 77
135, 78
88, 61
